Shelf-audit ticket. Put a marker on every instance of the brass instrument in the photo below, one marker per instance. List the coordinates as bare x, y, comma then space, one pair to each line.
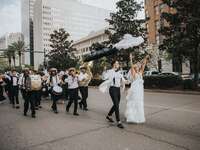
86, 81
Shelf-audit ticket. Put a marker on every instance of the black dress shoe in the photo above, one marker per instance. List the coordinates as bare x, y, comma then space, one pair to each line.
55, 111
85, 109
110, 119
17, 107
25, 114
33, 116
120, 125
76, 114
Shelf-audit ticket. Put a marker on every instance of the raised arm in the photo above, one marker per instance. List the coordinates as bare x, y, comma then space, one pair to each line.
143, 64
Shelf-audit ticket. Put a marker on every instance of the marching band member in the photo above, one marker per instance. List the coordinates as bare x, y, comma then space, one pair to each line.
54, 82
45, 92
2, 98
84, 80
8, 85
36, 86
27, 93
65, 85
15, 89
72, 81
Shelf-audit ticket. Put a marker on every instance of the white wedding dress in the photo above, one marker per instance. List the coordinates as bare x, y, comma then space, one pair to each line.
134, 112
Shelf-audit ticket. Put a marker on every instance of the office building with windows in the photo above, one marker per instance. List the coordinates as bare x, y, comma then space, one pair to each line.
41, 17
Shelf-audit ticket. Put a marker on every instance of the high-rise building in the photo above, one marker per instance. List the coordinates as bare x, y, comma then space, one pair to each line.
41, 17
153, 11
27, 12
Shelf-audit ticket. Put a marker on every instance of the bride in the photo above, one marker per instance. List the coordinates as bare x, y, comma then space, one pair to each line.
134, 112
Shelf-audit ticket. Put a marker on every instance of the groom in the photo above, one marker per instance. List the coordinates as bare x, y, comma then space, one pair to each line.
116, 79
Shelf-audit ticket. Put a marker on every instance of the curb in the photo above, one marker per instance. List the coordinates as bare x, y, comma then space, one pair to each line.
173, 91
165, 91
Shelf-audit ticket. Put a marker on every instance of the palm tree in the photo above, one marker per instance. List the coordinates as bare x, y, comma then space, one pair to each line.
19, 47
8, 55
11, 50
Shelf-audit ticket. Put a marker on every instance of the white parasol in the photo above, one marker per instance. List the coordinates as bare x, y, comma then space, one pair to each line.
129, 41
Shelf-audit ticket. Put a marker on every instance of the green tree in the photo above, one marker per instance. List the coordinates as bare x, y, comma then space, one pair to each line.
62, 54
124, 22
99, 64
182, 31
8, 55
19, 47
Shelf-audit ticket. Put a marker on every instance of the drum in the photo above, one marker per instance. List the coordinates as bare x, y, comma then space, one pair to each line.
57, 90
36, 82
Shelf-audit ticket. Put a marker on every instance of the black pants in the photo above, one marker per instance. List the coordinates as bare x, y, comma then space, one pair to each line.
84, 95
15, 95
115, 96
1, 93
38, 96
54, 98
65, 92
29, 97
73, 98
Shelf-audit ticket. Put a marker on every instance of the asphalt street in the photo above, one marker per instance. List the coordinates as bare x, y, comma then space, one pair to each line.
172, 123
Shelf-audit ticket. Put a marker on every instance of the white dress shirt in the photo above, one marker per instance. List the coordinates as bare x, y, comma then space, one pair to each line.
82, 76
55, 81
15, 80
115, 77
72, 82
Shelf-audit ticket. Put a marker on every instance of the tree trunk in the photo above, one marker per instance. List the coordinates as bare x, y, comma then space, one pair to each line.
20, 60
9, 61
14, 61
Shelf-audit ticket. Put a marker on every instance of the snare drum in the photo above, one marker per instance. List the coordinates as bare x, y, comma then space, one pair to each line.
57, 90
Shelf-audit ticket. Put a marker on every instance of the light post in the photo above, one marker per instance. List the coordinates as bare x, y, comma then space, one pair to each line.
45, 62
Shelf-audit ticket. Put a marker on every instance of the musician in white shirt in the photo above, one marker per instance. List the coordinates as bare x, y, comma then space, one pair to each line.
53, 81
72, 81
14, 89
117, 80
84, 79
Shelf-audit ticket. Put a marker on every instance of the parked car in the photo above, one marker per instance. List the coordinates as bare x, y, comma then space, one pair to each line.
169, 74
151, 73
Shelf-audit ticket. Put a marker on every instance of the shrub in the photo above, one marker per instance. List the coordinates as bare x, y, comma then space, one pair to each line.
188, 84
162, 82
95, 82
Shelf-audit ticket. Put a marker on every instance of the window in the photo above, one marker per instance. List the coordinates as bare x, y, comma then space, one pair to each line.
157, 10
146, 14
147, 26
157, 27
157, 39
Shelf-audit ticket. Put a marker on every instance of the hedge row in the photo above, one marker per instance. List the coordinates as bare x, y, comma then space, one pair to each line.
159, 82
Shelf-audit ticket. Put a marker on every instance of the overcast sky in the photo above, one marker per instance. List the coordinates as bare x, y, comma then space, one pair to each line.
10, 15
